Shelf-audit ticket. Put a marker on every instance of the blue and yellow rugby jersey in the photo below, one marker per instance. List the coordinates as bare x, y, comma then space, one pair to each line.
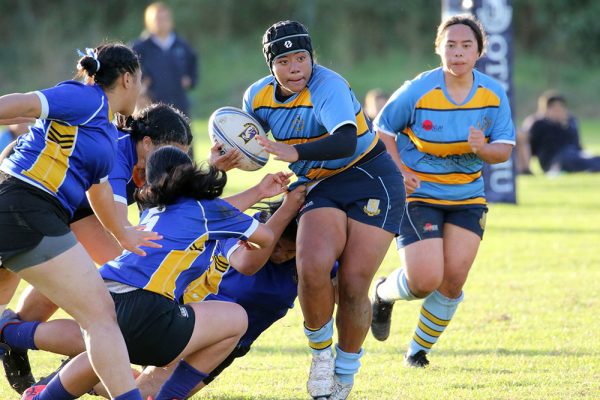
266, 296
71, 146
319, 109
190, 229
121, 174
432, 131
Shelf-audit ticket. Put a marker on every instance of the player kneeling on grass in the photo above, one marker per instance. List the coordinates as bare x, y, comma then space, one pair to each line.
182, 202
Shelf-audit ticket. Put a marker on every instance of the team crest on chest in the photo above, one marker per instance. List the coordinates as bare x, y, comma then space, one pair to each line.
250, 130
298, 123
485, 124
372, 208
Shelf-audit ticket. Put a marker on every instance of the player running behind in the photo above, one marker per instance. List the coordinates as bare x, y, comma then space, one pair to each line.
440, 128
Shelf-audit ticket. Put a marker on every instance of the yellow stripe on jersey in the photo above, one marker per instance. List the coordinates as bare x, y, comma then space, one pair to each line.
266, 98
433, 318
436, 100
208, 282
361, 123
362, 129
475, 200
422, 341
428, 330
50, 168
439, 149
163, 279
449, 179
320, 173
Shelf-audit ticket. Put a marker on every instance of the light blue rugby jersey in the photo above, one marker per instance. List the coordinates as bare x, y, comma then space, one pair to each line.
71, 146
319, 109
190, 230
431, 131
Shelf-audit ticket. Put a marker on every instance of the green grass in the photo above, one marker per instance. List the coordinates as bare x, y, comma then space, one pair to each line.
528, 328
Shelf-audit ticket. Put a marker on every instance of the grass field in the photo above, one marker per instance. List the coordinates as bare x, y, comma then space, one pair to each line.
528, 328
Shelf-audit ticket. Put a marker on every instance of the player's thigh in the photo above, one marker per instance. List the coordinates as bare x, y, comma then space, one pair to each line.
365, 249
460, 249
215, 321
320, 240
73, 283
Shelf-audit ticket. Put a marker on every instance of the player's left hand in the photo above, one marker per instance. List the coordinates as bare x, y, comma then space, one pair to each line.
281, 151
274, 184
476, 139
229, 160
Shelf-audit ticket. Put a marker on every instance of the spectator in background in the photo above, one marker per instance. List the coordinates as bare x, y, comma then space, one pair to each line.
552, 135
375, 99
169, 64
12, 132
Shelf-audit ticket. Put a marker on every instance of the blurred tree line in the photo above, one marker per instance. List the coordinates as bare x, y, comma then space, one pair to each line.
40, 37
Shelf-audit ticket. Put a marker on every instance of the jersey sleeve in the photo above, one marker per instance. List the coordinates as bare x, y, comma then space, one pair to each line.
72, 103
122, 170
227, 247
397, 114
333, 104
225, 221
247, 107
504, 129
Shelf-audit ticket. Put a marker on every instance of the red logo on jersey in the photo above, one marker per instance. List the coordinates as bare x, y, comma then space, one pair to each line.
427, 125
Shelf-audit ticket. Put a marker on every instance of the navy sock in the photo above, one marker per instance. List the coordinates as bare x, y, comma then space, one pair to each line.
20, 335
134, 394
55, 391
180, 384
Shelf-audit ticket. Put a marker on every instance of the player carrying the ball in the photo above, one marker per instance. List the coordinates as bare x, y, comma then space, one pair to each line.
354, 204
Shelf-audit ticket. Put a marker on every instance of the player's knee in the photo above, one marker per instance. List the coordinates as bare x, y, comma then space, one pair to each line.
424, 286
239, 319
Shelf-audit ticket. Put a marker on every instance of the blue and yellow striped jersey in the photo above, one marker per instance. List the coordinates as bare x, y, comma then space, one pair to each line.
319, 109
121, 174
190, 229
71, 146
431, 132
266, 296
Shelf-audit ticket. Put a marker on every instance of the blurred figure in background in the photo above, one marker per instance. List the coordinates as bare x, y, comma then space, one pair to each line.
375, 99
12, 132
169, 64
552, 135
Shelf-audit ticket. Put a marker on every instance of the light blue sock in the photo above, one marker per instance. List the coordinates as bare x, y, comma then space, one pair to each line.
319, 339
395, 287
436, 312
347, 364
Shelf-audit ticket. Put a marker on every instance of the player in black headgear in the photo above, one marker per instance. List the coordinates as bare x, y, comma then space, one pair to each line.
285, 37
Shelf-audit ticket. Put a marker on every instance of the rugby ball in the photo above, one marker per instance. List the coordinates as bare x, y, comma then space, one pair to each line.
235, 128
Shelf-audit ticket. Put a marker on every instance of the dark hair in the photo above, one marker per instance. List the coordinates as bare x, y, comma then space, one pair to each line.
463, 19
162, 123
267, 209
171, 173
285, 37
112, 60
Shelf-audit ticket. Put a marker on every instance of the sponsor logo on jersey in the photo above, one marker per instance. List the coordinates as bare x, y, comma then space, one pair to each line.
430, 126
298, 123
372, 207
250, 130
485, 124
